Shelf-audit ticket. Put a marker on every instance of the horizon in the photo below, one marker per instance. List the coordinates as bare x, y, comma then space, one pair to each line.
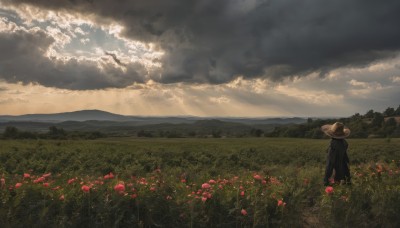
180, 116
238, 59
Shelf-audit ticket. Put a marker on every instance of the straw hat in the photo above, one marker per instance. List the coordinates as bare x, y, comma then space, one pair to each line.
336, 130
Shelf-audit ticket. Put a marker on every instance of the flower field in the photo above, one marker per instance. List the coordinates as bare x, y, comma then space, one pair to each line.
156, 190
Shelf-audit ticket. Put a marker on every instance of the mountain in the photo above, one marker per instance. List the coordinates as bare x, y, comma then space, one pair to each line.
100, 116
83, 115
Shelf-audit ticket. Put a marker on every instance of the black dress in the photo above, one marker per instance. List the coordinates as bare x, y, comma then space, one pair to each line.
337, 160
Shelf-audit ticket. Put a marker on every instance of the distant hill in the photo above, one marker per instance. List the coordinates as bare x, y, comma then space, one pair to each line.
83, 115
98, 115
110, 123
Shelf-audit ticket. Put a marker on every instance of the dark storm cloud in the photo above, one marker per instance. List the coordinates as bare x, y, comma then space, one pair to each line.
23, 59
215, 41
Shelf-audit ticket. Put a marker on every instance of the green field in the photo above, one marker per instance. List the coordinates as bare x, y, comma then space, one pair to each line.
290, 170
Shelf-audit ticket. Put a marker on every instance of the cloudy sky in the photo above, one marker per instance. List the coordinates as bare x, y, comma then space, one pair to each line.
201, 57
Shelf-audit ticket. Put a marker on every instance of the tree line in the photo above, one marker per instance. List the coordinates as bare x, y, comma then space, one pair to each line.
54, 132
371, 124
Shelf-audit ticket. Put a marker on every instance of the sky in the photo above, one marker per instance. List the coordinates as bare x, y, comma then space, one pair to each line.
236, 58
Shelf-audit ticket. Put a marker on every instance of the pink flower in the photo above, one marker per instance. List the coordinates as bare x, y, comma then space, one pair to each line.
204, 199
109, 176
281, 203
17, 185
242, 193
153, 189
205, 185
62, 198
119, 188
27, 175
329, 190
264, 182
133, 196
40, 179
70, 181
212, 182
46, 185
183, 180
46, 175
257, 177
85, 188
3, 181
244, 212
56, 188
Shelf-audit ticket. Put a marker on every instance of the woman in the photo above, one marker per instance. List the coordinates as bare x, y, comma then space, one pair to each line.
337, 158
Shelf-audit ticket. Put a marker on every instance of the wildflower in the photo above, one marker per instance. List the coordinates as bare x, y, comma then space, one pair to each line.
40, 179
205, 185
264, 182
46, 175
85, 188
27, 175
46, 185
242, 193
212, 182
3, 181
62, 198
17, 185
244, 212
56, 188
70, 181
119, 188
183, 180
133, 196
169, 197
204, 199
331, 180
221, 187
257, 177
153, 189
109, 176
329, 190
281, 203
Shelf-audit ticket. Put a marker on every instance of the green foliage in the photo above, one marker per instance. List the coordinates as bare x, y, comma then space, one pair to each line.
163, 183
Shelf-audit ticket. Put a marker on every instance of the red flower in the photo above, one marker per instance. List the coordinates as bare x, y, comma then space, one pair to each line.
56, 188
133, 196
46, 185
205, 185
281, 203
244, 212
212, 182
119, 188
183, 180
85, 188
257, 177
329, 190
17, 185
242, 193
27, 175
204, 199
109, 176
70, 181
